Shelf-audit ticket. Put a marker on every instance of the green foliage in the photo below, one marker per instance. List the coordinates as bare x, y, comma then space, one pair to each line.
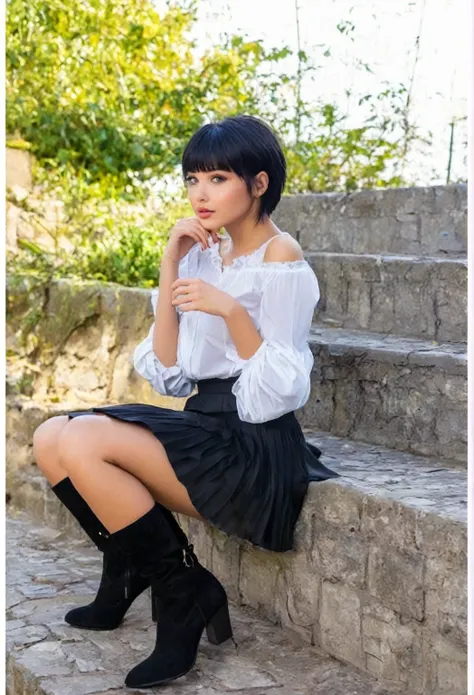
341, 158
96, 83
112, 87
107, 240
106, 93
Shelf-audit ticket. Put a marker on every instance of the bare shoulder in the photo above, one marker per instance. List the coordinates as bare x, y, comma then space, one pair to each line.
284, 248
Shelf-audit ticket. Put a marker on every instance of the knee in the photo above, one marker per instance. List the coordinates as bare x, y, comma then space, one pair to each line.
45, 440
78, 442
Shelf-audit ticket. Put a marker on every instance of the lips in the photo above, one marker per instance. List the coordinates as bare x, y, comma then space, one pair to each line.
205, 210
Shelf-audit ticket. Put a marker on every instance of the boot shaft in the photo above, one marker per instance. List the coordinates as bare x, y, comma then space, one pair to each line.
149, 539
76, 504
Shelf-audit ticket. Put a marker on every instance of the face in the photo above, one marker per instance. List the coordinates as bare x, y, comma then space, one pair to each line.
223, 193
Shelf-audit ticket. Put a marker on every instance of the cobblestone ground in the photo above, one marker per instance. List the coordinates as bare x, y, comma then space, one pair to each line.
48, 573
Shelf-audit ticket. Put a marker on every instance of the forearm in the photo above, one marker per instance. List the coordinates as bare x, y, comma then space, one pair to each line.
165, 334
242, 329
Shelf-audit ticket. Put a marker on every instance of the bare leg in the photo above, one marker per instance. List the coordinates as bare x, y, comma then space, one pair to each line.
45, 448
120, 469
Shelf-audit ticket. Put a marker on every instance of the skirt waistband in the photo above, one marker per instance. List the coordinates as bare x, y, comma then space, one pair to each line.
216, 385
215, 396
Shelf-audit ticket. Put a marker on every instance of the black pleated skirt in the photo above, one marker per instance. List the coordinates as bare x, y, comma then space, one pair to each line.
247, 479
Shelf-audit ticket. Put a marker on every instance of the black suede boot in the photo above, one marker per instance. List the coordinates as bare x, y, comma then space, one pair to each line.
120, 583
189, 599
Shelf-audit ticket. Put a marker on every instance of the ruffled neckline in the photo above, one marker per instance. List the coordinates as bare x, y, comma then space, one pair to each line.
217, 259
246, 259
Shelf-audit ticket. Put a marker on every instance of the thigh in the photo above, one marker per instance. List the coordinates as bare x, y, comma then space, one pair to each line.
132, 447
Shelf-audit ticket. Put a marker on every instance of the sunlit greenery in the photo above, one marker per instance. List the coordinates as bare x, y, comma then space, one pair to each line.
105, 94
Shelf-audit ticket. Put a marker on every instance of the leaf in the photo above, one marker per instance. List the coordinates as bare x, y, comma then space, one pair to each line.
31, 246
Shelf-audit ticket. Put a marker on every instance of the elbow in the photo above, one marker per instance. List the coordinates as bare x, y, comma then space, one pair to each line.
169, 384
167, 381
269, 389
265, 406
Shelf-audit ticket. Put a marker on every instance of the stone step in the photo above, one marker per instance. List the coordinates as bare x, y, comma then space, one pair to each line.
378, 559
378, 578
433, 486
402, 393
378, 575
48, 573
411, 296
364, 383
422, 221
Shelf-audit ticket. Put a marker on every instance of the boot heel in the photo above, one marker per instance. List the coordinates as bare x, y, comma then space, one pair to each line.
219, 629
153, 607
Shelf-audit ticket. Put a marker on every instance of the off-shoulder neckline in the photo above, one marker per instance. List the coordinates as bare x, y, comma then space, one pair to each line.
242, 260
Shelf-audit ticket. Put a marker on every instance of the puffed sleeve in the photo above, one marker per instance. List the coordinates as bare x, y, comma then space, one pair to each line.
169, 381
276, 379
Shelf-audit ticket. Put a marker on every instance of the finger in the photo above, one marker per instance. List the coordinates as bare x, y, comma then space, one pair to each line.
181, 282
183, 302
189, 306
181, 292
213, 234
199, 238
205, 239
206, 232
193, 233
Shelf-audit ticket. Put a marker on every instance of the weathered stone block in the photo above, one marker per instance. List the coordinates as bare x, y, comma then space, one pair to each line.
390, 520
446, 667
427, 221
373, 389
339, 554
396, 578
335, 504
423, 298
226, 554
259, 571
340, 623
445, 549
298, 594
393, 649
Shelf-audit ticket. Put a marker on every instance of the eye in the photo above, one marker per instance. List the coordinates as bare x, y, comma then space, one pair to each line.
189, 178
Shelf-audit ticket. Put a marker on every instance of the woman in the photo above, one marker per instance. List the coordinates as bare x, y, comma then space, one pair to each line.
232, 316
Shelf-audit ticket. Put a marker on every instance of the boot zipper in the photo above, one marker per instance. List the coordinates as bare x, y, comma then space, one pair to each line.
188, 556
127, 581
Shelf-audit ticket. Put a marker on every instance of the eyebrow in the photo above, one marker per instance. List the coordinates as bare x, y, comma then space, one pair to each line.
214, 171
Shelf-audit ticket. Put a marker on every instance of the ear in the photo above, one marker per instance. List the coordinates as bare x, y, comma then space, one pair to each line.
260, 184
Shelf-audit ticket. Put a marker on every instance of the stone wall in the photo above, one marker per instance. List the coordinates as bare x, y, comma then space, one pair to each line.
74, 342
425, 221
378, 575
374, 583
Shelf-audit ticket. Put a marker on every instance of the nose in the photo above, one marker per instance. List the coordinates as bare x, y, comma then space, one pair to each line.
198, 194
201, 197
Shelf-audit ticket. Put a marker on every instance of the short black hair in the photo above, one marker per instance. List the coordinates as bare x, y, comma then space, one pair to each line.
245, 145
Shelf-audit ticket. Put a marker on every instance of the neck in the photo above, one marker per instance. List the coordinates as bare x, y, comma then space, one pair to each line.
246, 235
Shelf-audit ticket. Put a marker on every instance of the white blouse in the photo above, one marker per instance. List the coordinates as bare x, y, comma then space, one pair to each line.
280, 297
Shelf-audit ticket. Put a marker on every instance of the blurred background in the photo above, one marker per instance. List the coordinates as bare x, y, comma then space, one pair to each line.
102, 97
